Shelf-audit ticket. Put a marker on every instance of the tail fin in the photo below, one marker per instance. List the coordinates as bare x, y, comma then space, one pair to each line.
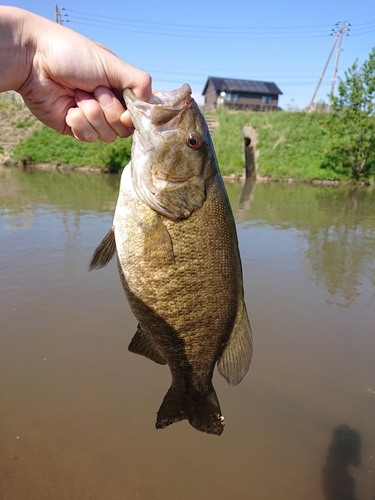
202, 411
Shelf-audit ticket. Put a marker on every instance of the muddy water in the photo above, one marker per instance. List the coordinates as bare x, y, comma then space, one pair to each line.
77, 410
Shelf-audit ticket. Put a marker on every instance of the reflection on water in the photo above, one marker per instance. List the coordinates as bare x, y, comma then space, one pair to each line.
334, 224
245, 200
78, 410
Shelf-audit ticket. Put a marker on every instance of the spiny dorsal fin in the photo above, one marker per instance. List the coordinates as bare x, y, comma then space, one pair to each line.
235, 360
141, 344
104, 251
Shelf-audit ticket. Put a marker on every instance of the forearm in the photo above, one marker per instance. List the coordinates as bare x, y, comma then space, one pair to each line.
15, 47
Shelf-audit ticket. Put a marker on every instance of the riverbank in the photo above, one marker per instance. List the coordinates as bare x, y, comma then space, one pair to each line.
16, 123
291, 146
232, 178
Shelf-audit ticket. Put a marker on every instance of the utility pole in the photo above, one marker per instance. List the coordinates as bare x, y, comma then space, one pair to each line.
311, 105
339, 32
57, 14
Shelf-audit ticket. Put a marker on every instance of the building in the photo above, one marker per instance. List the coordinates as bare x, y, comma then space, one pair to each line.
240, 94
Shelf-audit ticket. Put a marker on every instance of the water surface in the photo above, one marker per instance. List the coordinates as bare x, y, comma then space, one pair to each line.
78, 410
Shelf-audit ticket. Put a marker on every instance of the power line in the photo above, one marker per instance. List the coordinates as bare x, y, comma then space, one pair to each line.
220, 28
203, 74
199, 34
203, 31
194, 31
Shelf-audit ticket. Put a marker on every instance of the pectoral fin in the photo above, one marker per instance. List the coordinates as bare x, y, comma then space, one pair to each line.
141, 344
157, 243
235, 360
104, 251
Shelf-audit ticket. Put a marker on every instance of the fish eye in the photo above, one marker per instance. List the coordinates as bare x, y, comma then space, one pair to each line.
193, 141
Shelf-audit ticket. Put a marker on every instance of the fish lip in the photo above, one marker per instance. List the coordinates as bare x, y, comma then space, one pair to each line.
162, 182
169, 99
172, 180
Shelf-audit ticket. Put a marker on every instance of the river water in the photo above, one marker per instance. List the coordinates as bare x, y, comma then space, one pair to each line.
77, 410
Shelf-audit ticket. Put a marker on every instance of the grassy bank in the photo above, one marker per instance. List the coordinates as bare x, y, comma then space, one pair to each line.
47, 146
292, 145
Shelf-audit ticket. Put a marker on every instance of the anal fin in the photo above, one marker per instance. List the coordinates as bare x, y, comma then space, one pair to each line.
104, 251
235, 360
141, 344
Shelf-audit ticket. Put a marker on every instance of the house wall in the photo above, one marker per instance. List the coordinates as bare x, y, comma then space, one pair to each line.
246, 100
210, 97
254, 102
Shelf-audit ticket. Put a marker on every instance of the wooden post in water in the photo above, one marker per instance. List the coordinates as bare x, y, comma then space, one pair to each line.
249, 152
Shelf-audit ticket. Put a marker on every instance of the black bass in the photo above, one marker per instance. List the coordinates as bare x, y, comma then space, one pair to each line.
178, 258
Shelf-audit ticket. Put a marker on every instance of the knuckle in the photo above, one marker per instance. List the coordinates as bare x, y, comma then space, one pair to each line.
146, 80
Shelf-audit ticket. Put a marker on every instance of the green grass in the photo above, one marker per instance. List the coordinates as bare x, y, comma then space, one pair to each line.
47, 146
291, 144
27, 122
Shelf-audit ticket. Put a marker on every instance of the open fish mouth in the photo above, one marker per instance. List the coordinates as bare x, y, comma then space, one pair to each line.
170, 99
163, 107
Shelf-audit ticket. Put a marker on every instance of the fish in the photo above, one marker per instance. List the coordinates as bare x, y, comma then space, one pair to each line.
178, 258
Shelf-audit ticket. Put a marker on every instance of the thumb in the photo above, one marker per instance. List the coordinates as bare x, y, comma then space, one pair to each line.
122, 75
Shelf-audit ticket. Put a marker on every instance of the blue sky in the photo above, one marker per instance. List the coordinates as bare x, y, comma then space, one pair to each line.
186, 41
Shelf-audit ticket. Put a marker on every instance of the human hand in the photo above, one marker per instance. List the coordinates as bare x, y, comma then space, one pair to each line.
73, 84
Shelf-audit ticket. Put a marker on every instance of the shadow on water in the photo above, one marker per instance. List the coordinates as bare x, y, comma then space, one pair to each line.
344, 451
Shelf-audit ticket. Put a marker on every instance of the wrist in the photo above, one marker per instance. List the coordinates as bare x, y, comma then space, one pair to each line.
16, 47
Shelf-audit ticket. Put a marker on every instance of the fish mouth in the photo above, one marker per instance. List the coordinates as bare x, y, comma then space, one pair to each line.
163, 106
170, 99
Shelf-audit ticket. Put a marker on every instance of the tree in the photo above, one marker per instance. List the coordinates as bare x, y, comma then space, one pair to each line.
352, 122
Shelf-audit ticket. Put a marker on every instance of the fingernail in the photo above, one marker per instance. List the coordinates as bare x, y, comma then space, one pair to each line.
104, 96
